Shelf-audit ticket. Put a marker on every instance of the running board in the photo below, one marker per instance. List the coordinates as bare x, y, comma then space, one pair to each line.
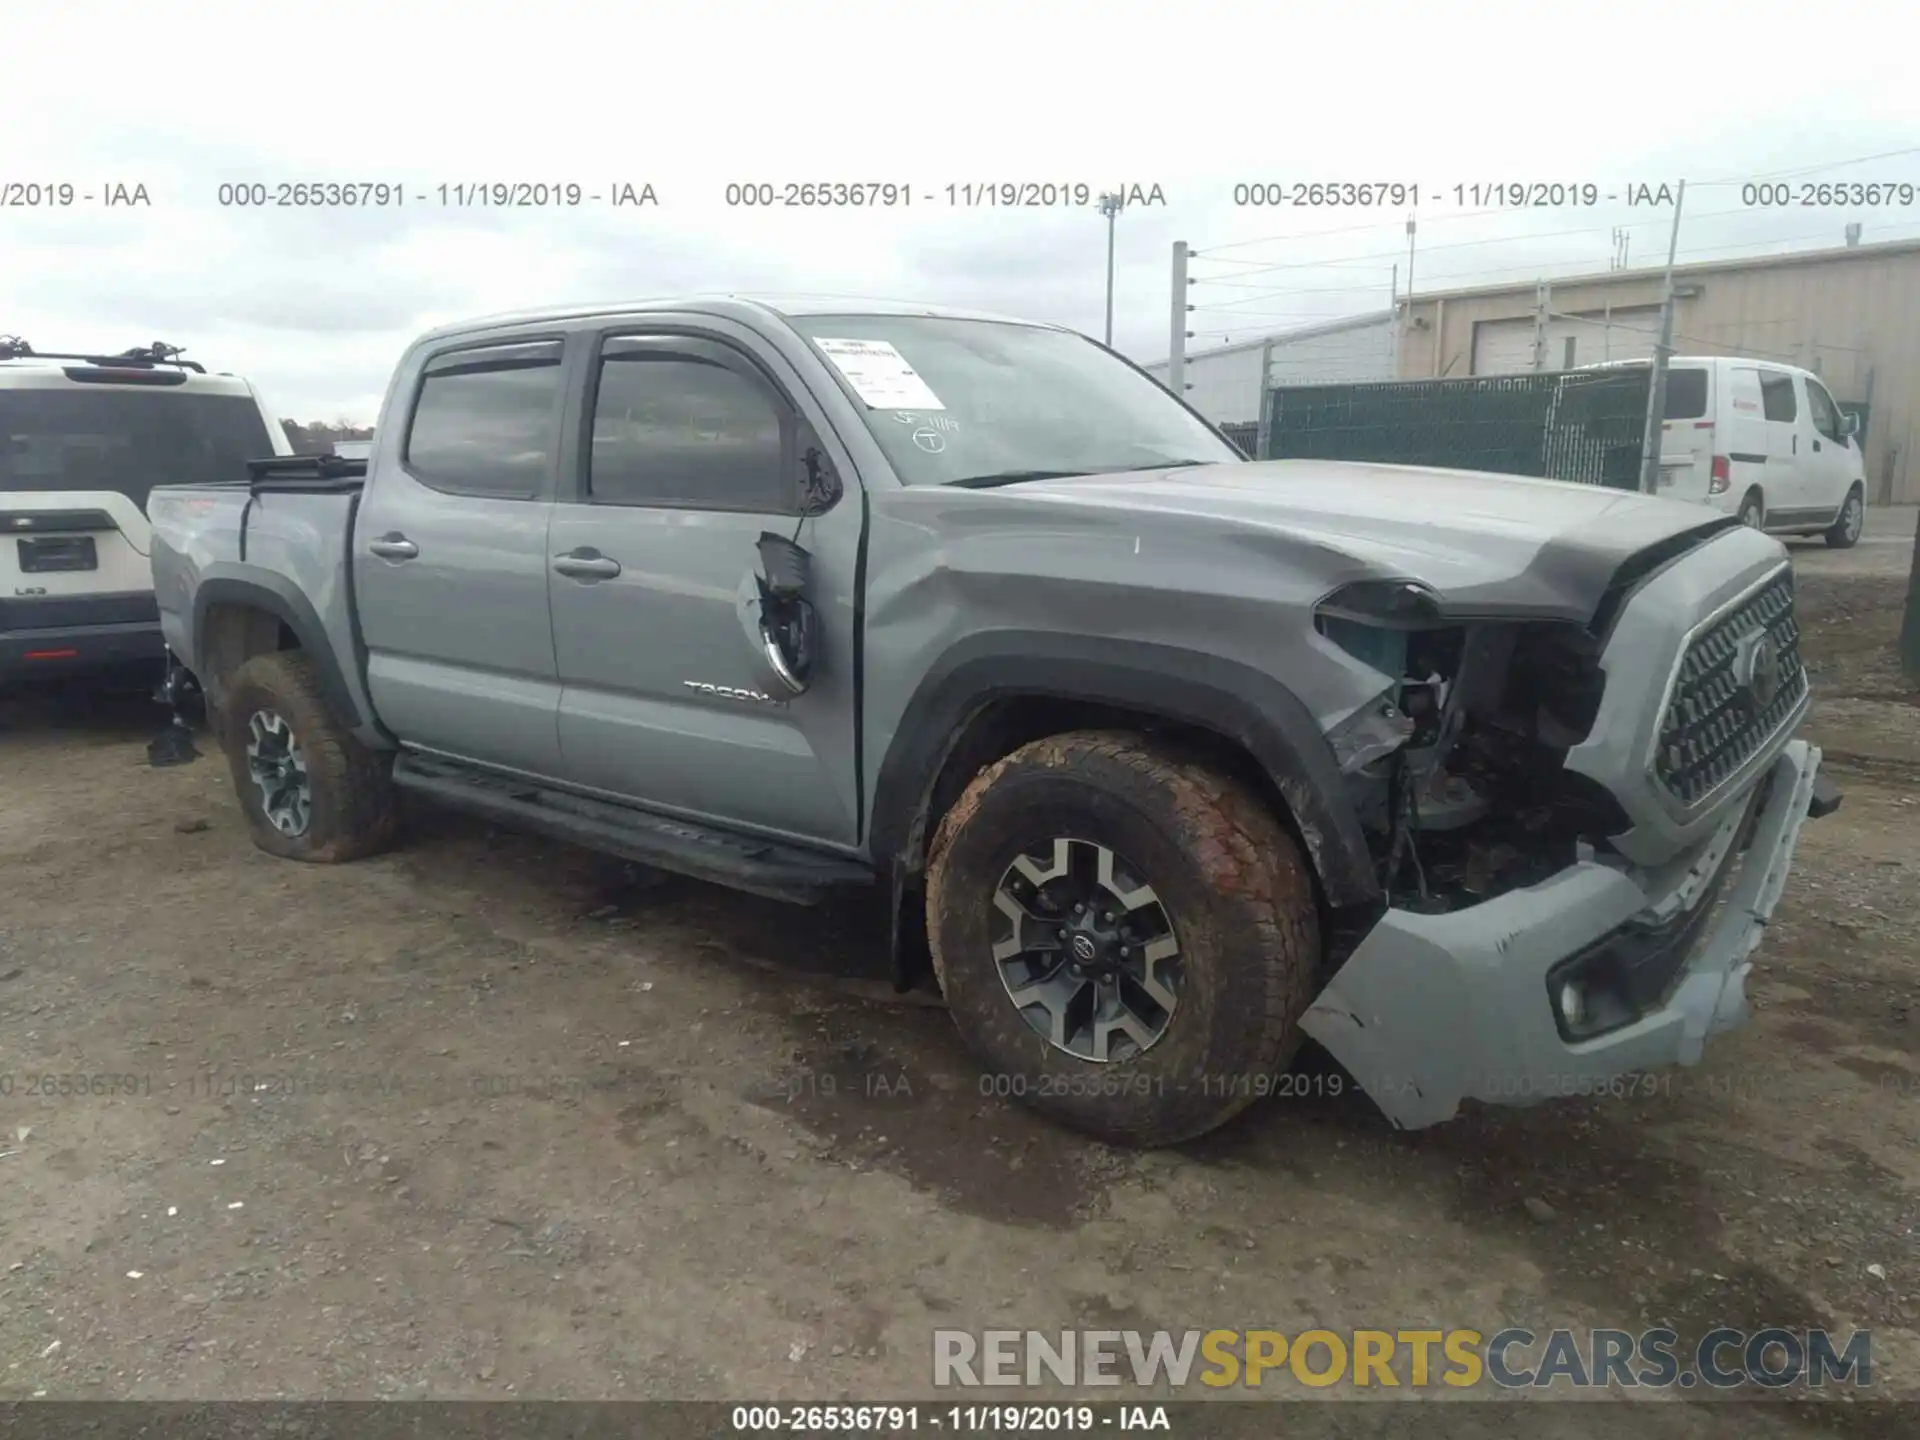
743, 862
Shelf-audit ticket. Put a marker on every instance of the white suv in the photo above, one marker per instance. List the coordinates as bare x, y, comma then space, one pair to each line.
83, 438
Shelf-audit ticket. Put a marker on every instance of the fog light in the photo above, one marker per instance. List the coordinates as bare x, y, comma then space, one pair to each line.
1573, 1005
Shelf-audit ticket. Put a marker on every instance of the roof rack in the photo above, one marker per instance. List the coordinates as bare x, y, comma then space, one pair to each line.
140, 357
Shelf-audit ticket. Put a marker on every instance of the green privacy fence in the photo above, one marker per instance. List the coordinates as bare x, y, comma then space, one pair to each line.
1580, 425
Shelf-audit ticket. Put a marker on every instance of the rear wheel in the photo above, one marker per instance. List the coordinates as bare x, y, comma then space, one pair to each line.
1844, 533
1753, 511
309, 790
1126, 939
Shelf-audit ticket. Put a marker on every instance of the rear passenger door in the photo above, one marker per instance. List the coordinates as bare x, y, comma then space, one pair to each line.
695, 446
450, 559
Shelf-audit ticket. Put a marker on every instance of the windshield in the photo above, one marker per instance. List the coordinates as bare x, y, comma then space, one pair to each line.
954, 401
126, 439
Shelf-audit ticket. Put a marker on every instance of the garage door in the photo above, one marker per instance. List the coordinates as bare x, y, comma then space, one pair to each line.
1505, 347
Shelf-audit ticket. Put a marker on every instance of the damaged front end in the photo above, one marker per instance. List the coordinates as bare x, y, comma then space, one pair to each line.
1548, 926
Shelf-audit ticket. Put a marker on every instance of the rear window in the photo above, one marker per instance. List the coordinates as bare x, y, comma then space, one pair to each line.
129, 440
1686, 394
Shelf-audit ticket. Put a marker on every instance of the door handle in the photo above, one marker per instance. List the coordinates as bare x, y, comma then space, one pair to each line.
393, 547
586, 565
1816, 447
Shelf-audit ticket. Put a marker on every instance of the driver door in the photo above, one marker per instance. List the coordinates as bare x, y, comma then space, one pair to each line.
1830, 460
693, 447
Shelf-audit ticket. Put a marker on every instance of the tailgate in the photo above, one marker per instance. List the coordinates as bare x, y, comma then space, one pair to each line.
72, 543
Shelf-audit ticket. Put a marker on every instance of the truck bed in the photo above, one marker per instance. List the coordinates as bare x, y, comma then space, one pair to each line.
287, 529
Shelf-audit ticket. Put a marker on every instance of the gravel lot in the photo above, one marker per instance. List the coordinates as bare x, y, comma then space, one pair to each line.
481, 1118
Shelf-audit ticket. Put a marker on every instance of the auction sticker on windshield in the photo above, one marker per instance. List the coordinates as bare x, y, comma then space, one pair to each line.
880, 375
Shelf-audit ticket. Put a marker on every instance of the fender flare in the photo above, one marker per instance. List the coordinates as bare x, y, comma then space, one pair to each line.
281, 598
1241, 704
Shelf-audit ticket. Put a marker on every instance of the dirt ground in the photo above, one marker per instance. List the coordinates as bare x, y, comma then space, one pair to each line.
480, 1118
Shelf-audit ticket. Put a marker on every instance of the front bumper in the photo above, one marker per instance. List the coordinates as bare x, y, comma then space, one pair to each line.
1431, 1010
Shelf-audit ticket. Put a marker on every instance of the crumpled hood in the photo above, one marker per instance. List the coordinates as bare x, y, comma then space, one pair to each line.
1483, 541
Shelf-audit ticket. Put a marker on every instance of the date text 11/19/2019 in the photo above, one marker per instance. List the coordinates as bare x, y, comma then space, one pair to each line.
450, 195
1478, 195
803, 1419
966, 195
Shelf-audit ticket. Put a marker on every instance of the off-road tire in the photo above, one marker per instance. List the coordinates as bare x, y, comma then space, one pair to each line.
1236, 891
1845, 531
355, 810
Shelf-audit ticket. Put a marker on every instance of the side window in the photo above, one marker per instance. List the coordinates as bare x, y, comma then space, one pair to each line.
677, 423
1826, 416
1776, 395
486, 420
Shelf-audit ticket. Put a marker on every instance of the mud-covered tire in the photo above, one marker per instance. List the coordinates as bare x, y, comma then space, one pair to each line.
1236, 894
352, 811
1846, 529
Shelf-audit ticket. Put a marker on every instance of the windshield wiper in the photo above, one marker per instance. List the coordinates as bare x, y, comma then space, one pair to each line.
1014, 477
1011, 477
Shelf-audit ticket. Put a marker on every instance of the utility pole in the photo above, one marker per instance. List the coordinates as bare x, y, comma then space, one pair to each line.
1910, 624
1409, 265
1177, 349
1110, 206
1393, 309
1264, 431
1542, 294
1662, 353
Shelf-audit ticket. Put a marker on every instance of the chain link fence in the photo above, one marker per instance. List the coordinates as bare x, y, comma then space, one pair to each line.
1585, 426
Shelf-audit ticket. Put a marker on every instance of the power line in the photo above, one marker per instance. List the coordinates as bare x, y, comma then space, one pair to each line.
1813, 169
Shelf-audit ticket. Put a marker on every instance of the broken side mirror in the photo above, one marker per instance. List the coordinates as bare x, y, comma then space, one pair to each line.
821, 486
788, 624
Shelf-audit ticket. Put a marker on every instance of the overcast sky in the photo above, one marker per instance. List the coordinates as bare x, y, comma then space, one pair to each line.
315, 305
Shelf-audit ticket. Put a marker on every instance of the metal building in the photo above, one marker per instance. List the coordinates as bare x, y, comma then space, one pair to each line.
1223, 384
1845, 313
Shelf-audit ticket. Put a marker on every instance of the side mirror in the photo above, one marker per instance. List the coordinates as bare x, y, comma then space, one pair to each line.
821, 487
789, 626
1849, 424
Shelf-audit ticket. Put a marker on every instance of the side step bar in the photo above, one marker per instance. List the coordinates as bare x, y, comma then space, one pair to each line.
744, 862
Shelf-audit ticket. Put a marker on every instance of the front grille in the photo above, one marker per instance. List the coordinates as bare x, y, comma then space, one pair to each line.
1720, 714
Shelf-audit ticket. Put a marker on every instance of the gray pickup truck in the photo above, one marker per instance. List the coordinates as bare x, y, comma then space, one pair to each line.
1164, 759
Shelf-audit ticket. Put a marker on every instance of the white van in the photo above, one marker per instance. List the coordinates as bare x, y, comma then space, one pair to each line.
1763, 441
82, 440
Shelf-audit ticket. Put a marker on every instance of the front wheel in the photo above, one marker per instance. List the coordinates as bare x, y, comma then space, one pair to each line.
1126, 939
1753, 511
309, 790
1844, 533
